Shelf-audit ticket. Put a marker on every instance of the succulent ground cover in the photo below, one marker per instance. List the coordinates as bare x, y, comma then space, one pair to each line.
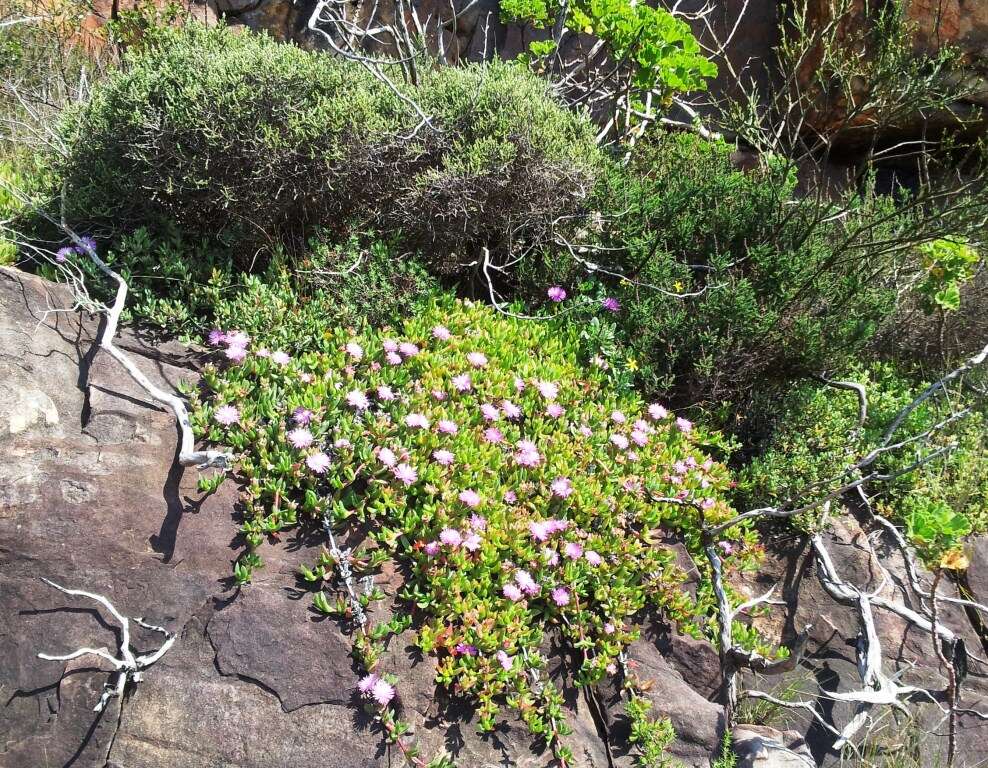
526, 496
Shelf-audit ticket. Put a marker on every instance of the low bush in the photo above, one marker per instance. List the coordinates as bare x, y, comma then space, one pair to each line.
252, 143
816, 439
521, 492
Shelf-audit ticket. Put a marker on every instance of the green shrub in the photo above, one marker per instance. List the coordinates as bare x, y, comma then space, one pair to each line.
250, 142
413, 435
816, 439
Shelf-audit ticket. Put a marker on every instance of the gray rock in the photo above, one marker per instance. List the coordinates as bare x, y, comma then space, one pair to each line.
761, 747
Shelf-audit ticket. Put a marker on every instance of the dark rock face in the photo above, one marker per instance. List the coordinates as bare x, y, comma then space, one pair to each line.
91, 499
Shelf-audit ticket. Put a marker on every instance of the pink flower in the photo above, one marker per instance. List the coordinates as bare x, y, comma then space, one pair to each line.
586, 431
389, 345
354, 350
443, 457
441, 332
679, 467
342, 444
510, 497
639, 438
556, 293
462, 383
465, 649
387, 457
450, 537
438, 395
656, 412
554, 410
447, 427
557, 526
560, 596
263, 352
549, 390
561, 487
573, 550
470, 498
504, 660
608, 628
318, 462
431, 549
226, 415
511, 411
618, 418
300, 438
236, 354
408, 349
707, 503
385, 393
472, 542
357, 400
539, 530
519, 385
281, 358
611, 668
215, 338
526, 583
512, 592
620, 441
367, 683
417, 421
493, 435
641, 425
236, 339
632, 455
593, 558
382, 692
726, 546
477, 359
527, 455
478, 523
685, 425
305, 378
393, 358
490, 412
302, 416
406, 474
611, 304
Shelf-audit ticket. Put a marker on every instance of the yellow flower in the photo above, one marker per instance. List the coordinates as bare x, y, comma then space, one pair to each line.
678, 285
632, 364
955, 560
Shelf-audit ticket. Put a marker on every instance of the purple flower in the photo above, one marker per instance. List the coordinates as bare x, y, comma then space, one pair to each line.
586, 431
281, 358
62, 255
639, 438
86, 244
443, 457
573, 550
549, 390
389, 345
618, 417
608, 628
462, 383
226, 415
539, 530
510, 497
441, 332
685, 425
560, 596
493, 435
551, 556
561, 487
554, 410
504, 660
367, 683
556, 293
620, 441
472, 542
447, 427
318, 462
406, 474
450, 537
557, 526
357, 400
236, 354
385, 393
300, 438
302, 416
382, 692
477, 359
490, 412
431, 549
512, 592
478, 523
657, 412
236, 339
511, 411
263, 352
527, 455
519, 385
726, 546
593, 558
439, 395
216, 337
393, 358
707, 503
355, 350
408, 349
465, 649
470, 497
417, 421
387, 457
611, 304
526, 583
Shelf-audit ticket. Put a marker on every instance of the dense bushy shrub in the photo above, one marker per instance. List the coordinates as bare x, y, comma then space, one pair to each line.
522, 493
768, 288
816, 438
243, 139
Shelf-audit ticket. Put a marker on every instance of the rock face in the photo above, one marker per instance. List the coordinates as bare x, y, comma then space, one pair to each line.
90, 498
